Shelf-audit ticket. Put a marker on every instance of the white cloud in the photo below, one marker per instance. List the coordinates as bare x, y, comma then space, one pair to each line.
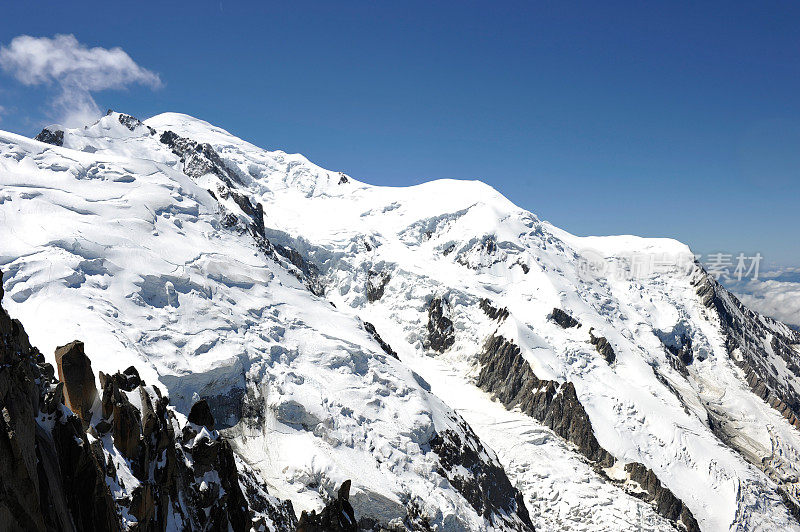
76, 69
779, 299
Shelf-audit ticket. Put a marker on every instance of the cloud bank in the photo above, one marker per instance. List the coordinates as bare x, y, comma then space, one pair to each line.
77, 71
775, 294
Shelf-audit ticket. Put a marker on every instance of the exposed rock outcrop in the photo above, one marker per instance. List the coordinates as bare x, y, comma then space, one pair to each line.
199, 158
481, 481
603, 347
75, 371
132, 122
269, 513
306, 271
186, 474
337, 516
370, 328
563, 319
747, 335
51, 136
759, 346
376, 284
666, 503
200, 414
441, 334
125, 419
493, 312
508, 376
678, 343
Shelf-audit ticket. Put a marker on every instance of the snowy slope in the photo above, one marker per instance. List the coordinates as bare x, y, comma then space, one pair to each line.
129, 254
152, 250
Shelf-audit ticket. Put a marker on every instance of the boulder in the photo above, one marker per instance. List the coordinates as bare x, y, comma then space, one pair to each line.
75, 371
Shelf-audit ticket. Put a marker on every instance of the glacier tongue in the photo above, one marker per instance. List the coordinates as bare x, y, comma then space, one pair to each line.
261, 282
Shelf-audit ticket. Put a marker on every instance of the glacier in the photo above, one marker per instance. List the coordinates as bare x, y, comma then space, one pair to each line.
342, 331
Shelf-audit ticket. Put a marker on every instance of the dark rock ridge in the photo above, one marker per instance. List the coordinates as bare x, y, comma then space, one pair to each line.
57, 475
663, 499
305, 270
747, 334
132, 122
370, 328
758, 345
441, 334
482, 482
51, 136
376, 284
200, 159
269, 513
508, 377
337, 516
563, 319
603, 347
493, 312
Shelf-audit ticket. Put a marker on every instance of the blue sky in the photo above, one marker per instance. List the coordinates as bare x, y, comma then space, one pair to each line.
651, 118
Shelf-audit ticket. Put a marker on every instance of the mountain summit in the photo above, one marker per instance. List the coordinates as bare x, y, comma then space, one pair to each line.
425, 358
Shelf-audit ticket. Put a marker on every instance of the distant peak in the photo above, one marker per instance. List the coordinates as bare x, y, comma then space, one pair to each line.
53, 134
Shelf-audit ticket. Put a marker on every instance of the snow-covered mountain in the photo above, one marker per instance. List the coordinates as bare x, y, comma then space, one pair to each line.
446, 351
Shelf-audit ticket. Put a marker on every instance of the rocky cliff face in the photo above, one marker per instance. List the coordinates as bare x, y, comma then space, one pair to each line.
440, 328
508, 376
760, 346
483, 482
51, 472
72, 459
52, 136
337, 516
766, 351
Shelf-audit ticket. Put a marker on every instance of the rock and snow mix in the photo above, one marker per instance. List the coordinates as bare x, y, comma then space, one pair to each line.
279, 291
